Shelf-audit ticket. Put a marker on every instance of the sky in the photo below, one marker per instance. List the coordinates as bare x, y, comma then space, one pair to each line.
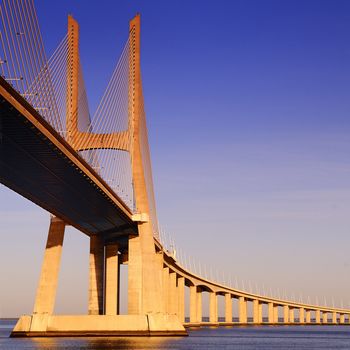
248, 110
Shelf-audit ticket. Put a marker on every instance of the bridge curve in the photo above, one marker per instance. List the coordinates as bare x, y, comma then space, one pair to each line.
41, 165
199, 284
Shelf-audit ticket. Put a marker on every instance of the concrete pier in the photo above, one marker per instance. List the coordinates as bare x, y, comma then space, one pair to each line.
308, 316
181, 299
228, 308
166, 284
213, 308
275, 313
301, 315
270, 316
256, 319
318, 316
291, 315
199, 306
111, 280
96, 291
286, 314
46, 292
193, 304
242, 309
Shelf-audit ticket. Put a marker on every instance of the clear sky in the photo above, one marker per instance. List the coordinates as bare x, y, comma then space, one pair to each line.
249, 124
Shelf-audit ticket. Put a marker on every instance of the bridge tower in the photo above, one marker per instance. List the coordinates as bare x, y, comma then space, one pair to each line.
145, 266
146, 305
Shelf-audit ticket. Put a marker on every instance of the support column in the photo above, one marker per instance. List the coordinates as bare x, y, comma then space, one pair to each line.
275, 313
193, 304
199, 305
118, 281
46, 292
318, 316
228, 308
324, 317
242, 306
342, 319
308, 316
260, 320
166, 284
286, 314
181, 299
96, 275
145, 272
271, 313
112, 278
173, 308
301, 315
334, 318
256, 311
134, 276
291, 315
213, 307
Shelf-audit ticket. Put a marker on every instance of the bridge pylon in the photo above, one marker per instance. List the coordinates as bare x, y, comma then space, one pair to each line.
145, 265
147, 313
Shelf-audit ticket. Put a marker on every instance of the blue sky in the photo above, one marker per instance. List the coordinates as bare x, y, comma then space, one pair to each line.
248, 112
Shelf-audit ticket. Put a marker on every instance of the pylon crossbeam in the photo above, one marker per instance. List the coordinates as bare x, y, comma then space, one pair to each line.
84, 141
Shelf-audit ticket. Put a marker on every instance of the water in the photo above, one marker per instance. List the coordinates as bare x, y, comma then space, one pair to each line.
239, 338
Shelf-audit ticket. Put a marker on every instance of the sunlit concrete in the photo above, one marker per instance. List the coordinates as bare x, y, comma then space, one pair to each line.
228, 308
112, 279
156, 281
96, 276
46, 292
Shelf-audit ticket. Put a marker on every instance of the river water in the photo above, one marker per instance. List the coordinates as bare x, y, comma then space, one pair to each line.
240, 338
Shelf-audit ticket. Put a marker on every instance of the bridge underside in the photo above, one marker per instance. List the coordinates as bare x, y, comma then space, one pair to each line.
34, 166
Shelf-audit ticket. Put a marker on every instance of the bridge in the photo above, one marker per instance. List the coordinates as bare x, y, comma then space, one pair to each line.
94, 173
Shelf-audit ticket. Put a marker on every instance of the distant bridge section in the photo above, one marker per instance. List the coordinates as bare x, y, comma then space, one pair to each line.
250, 305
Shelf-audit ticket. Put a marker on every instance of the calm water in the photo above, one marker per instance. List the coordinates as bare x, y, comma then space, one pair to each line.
240, 338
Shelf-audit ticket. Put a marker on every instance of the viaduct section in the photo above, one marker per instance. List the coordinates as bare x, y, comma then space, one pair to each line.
47, 166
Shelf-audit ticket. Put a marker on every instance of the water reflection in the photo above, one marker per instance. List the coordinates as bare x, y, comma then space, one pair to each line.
105, 343
238, 338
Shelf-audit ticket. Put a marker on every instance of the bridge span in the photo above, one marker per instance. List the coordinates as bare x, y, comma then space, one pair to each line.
279, 311
94, 173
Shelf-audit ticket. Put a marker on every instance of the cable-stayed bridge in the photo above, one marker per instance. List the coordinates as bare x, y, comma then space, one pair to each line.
94, 172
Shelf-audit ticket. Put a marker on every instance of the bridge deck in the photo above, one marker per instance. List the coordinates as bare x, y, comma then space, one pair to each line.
36, 162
